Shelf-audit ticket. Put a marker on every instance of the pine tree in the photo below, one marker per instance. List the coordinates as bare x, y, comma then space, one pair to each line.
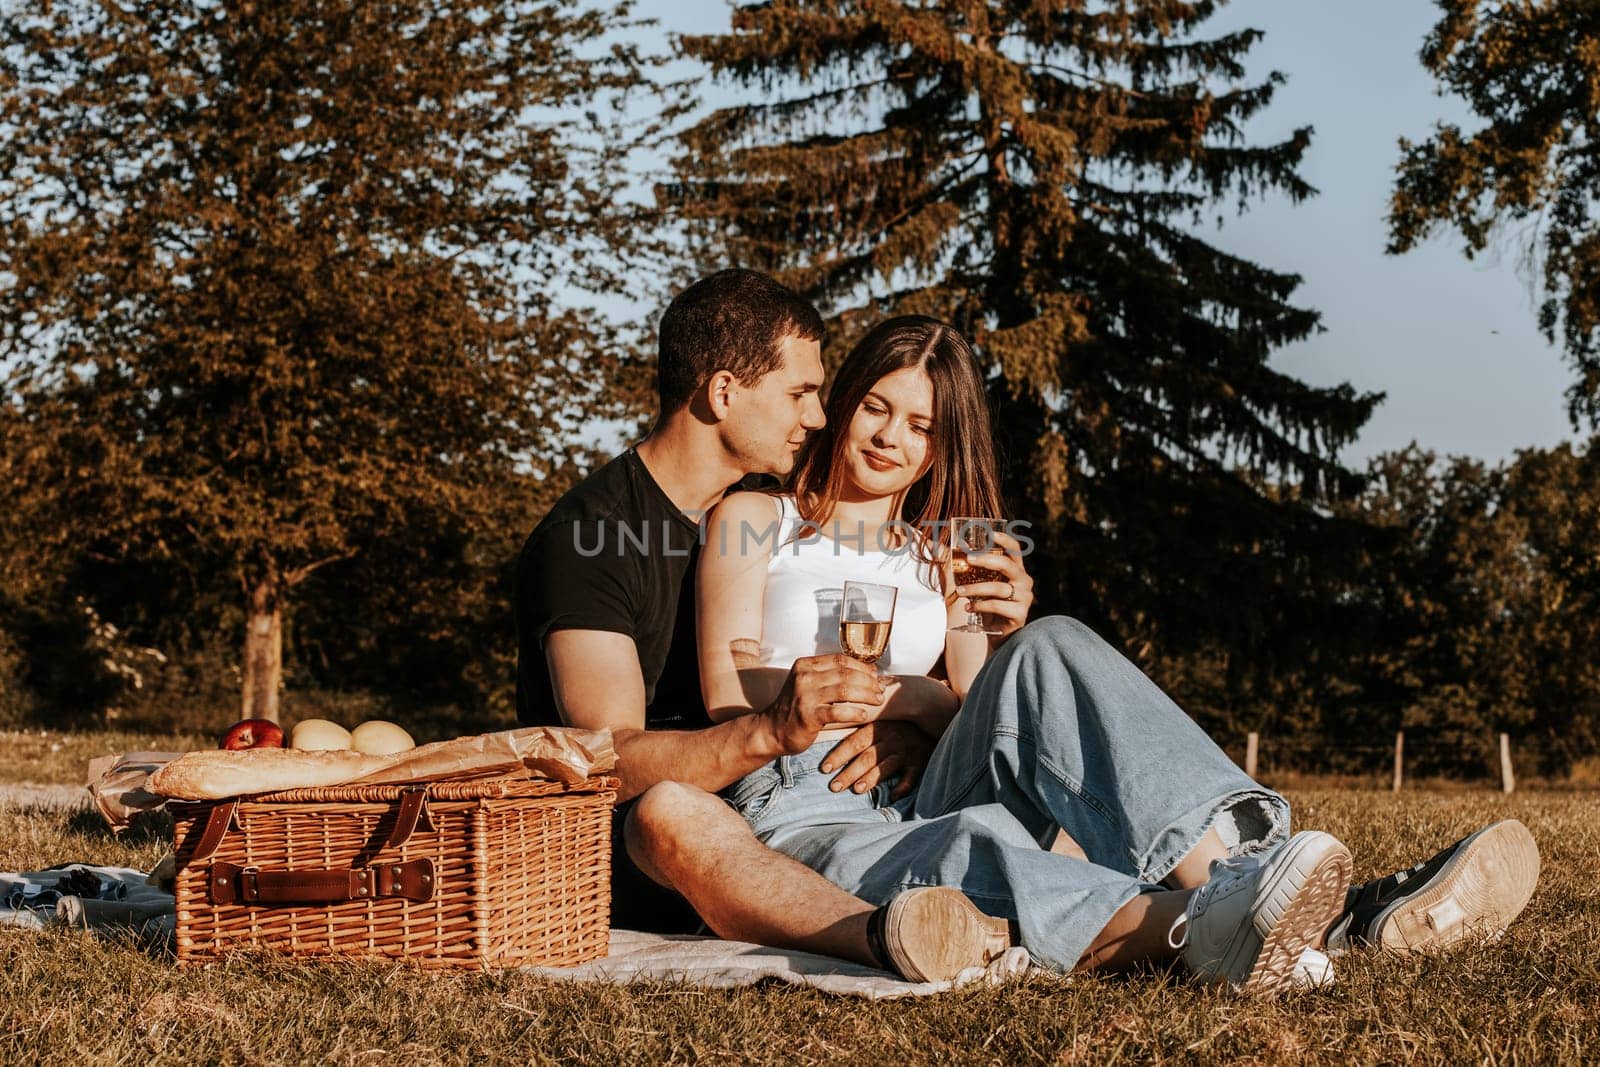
1036, 173
1531, 75
279, 280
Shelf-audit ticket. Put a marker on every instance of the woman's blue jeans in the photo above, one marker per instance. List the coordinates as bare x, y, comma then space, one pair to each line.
1059, 731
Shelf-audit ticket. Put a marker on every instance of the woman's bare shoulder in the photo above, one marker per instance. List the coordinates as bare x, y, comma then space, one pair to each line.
747, 506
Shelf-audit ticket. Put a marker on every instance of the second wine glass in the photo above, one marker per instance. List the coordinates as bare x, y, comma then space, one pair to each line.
866, 616
972, 536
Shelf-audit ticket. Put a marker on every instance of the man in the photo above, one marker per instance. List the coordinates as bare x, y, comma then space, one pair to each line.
605, 613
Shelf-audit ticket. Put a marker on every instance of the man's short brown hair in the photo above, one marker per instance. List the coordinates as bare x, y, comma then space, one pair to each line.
733, 320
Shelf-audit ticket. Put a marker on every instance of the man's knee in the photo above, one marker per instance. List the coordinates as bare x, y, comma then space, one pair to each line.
671, 816
662, 812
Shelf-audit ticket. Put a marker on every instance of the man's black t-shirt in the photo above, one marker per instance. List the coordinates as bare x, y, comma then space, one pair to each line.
614, 554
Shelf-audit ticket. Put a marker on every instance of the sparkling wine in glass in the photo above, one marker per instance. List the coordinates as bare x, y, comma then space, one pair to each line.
972, 536
866, 615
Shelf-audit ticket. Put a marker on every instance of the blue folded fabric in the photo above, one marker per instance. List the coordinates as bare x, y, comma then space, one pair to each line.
41, 890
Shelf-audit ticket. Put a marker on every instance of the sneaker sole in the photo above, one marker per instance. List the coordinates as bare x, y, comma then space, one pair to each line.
939, 959
1303, 897
1482, 888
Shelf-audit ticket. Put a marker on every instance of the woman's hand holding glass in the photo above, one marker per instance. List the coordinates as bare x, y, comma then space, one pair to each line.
1006, 599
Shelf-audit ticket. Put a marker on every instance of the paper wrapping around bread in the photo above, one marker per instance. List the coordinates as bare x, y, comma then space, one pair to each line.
565, 755
117, 784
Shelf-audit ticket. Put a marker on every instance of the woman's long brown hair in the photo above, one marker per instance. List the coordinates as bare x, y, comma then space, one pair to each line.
963, 479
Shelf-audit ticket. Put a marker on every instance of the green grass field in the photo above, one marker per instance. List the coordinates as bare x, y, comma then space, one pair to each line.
1534, 996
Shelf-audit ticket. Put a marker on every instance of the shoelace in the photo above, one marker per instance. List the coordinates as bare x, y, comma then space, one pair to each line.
1173, 940
1237, 866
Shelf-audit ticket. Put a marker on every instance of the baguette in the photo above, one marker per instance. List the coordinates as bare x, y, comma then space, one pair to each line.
212, 775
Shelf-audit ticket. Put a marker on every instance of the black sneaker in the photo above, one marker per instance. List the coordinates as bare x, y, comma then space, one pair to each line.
1473, 888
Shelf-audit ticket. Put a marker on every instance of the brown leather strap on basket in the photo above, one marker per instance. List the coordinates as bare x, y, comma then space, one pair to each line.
413, 813
233, 884
217, 824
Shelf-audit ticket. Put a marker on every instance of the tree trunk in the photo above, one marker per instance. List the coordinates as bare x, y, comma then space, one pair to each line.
263, 653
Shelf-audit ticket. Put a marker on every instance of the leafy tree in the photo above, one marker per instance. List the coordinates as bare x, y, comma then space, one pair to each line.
279, 281
1036, 173
1485, 604
1555, 493
1453, 662
1530, 73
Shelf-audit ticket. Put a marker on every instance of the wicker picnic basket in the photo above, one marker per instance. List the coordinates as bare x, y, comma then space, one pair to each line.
496, 872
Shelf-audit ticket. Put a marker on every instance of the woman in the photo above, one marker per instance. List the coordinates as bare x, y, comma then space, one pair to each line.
870, 504
1056, 732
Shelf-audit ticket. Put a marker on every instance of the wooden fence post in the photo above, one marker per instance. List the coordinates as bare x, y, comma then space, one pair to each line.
1508, 781
1399, 756
1250, 745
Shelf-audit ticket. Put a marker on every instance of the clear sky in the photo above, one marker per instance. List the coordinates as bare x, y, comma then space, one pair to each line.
1452, 342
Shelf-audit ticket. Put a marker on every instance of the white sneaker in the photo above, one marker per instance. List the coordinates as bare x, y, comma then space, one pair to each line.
1251, 922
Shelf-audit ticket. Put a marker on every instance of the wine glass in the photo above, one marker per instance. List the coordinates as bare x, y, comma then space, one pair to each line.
866, 615
972, 535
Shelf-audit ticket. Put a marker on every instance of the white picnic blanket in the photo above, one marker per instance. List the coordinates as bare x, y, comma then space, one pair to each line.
715, 963
709, 962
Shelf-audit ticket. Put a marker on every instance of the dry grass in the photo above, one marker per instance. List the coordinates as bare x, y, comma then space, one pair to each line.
60, 757
1532, 997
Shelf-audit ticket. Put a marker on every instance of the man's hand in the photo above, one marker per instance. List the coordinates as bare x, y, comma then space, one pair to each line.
822, 691
1007, 601
877, 751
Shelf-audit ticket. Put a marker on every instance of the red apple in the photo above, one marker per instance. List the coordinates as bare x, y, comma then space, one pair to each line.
253, 733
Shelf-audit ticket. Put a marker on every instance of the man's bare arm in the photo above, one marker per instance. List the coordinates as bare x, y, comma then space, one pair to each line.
598, 685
